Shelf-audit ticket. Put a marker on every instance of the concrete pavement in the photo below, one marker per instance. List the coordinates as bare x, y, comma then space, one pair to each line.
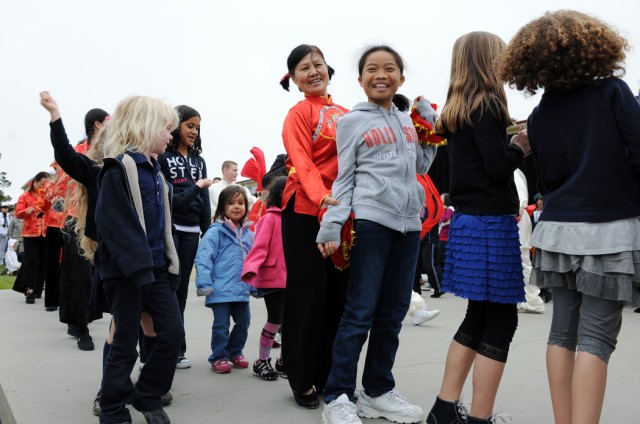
45, 378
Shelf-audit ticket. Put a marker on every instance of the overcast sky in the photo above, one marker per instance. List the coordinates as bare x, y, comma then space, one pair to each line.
225, 59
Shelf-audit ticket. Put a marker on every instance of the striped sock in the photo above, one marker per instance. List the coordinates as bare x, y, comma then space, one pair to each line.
266, 340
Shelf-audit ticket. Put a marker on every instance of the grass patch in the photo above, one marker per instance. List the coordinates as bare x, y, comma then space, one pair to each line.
6, 281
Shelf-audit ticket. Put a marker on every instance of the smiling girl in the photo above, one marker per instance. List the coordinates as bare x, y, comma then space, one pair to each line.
378, 157
186, 170
219, 263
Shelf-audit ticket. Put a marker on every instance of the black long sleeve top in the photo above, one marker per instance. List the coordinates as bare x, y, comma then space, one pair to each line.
482, 165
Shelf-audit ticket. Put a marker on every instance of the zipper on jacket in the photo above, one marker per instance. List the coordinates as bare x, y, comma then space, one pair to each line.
401, 139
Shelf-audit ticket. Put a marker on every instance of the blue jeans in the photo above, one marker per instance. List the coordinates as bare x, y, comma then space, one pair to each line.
383, 264
187, 246
224, 345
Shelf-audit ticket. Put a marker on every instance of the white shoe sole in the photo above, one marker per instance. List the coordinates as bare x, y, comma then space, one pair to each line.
366, 412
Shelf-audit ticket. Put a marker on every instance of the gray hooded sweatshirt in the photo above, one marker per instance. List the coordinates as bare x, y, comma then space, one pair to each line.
379, 156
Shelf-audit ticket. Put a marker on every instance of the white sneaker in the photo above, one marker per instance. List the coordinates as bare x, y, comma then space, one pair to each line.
391, 406
340, 411
423, 315
183, 362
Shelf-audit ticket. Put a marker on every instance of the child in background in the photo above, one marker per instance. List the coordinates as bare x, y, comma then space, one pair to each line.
11, 258
378, 157
588, 237
219, 261
186, 170
266, 270
483, 253
137, 259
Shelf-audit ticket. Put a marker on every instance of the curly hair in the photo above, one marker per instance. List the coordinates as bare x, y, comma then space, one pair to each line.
562, 50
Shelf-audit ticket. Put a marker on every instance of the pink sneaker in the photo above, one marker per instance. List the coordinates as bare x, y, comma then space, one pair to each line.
221, 366
240, 362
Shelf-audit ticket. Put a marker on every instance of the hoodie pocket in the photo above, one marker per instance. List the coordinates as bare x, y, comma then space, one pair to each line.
381, 194
416, 198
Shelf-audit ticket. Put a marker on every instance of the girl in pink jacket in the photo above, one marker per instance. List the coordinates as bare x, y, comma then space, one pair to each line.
264, 268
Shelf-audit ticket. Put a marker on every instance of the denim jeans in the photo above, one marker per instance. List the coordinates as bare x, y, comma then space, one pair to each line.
383, 264
187, 246
224, 345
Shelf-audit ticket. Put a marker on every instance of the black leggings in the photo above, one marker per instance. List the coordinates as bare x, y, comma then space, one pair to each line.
488, 328
275, 306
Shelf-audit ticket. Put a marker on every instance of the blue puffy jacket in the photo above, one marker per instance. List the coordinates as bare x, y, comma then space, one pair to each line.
219, 263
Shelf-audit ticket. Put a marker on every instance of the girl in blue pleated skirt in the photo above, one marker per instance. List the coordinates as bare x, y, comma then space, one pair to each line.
482, 261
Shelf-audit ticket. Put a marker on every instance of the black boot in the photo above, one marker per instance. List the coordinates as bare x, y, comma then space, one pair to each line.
445, 412
474, 420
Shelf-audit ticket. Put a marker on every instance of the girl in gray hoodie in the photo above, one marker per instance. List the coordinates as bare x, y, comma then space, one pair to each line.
378, 157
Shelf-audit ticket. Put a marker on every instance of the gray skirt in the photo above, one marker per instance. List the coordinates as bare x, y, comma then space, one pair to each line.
600, 260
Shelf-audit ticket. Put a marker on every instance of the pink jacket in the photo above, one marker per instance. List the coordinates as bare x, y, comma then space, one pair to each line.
266, 258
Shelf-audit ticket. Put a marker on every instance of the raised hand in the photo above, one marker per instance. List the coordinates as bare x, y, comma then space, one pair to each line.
49, 103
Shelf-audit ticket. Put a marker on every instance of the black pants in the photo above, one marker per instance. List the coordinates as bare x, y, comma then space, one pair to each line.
54, 251
76, 277
428, 262
314, 302
32, 271
127, 303
187, 247
441, 252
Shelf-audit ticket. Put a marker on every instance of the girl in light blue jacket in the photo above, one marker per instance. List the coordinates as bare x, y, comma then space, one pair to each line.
219, 260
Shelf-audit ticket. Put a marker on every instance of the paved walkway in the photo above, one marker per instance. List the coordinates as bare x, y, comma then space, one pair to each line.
46, 379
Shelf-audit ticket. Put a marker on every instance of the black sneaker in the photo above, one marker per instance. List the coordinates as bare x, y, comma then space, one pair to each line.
264, 370
166, 398
156, 417
85, 342
73, 331
96, 405
30, 298
280, 368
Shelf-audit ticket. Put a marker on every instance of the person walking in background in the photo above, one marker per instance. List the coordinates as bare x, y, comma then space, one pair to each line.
186, 170
15, 231
229, 177
219, 261
31, 207
533, 303
482, 261
379, 187
137, 259
265, 269
429, 215
55, 191
11, 258
588, 237
5, 220
315, 293
443, 238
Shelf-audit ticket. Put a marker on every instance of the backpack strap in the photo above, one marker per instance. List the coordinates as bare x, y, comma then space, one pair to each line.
131, 169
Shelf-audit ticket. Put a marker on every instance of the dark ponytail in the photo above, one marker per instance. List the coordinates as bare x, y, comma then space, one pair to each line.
284, 82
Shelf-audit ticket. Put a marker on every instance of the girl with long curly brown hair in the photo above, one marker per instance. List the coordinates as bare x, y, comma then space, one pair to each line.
585, 137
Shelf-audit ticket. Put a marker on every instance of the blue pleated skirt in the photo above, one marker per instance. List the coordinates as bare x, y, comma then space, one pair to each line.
483, 259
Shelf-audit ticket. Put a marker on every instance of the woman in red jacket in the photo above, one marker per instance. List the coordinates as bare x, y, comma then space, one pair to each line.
31, 207
315, 293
